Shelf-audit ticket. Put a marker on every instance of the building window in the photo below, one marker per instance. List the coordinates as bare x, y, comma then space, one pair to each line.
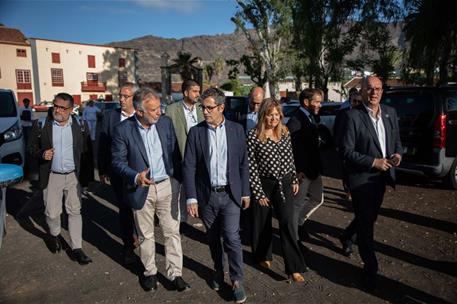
57, 77
122, 77
91, 61
23, 80
92, 78
55, 57
122, 62
21, 53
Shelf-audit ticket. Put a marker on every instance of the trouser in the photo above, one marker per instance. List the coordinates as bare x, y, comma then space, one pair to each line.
159, 202
126, 222
367, 200
92, 128
182, 204
262, 235
221, 217
64, 186
309, 197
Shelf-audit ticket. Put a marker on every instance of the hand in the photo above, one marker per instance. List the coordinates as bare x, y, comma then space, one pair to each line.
245, 202
48, 154
192, 209
301, 176
395, 159
295, 189
264, 202
142, 180
382, 164
104, 179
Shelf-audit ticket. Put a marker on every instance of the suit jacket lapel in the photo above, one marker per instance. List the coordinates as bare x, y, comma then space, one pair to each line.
369, 124
163, 140
138, 140
228, 133
181, 119
48, 127
200, 117
204, 141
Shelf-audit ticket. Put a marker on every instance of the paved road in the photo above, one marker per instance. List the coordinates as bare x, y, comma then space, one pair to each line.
416, 239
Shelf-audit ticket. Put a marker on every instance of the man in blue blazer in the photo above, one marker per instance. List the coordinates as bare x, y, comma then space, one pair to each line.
145, 154
216, 181
111, 119
371, 148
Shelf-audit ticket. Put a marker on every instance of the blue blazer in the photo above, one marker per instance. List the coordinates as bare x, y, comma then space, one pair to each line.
359, 145
129, 156
196, 166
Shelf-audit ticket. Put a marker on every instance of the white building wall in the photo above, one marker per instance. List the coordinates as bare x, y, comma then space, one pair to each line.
74, 62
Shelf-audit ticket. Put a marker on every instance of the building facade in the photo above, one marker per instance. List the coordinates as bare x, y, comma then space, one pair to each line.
16, 71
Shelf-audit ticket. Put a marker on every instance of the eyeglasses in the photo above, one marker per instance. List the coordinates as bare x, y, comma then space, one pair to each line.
57, 107
209, 108
125, 96
376, 90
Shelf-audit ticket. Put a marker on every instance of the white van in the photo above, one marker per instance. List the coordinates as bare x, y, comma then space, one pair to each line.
12, 146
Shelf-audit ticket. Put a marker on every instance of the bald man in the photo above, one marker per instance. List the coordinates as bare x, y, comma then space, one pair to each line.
371, 149
256, 98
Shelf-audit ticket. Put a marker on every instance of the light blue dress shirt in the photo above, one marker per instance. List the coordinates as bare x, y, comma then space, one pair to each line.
190, 115
251, 121
151, 141
217, 139
62, 142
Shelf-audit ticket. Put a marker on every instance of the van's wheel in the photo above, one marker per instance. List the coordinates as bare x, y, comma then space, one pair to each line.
452, 175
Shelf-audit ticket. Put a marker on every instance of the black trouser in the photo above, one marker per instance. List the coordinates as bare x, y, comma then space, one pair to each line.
262, 234
127, 225
367, 200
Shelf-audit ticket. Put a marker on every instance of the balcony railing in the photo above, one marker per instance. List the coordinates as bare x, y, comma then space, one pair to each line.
93, 86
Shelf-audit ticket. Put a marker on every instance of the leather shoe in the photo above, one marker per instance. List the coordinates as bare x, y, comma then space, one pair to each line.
265, 264
54, 244
347, 246
180, 284
148, 282
81, 257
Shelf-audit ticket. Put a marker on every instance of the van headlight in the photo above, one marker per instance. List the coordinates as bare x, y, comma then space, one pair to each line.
13, 133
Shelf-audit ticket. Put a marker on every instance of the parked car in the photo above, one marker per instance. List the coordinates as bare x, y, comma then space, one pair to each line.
236, 107
42, 106
12, 147
428, 129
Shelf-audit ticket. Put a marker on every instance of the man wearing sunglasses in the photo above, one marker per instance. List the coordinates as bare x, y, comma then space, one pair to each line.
60, 147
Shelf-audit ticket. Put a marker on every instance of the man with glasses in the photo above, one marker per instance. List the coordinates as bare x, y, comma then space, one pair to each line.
145, 154
60, 146
255, 101
111, 119
216, 181
185, 115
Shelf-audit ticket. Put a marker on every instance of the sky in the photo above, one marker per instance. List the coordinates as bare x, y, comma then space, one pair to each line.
104, 21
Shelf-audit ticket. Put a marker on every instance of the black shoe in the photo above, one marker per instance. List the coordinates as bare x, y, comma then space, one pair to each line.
129, 256
54, 244
81, 257
347, 246
148, 282
180, 284
303, 234
217, 281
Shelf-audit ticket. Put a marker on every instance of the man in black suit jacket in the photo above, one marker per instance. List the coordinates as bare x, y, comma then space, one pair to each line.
305, 145
371, 148
60, 147
216, 181
111, 119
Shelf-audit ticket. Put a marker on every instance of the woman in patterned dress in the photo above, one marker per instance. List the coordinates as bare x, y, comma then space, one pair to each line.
274, 185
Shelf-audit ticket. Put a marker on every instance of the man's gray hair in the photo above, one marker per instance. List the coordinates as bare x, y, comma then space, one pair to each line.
216, 94
144, 94
132, 86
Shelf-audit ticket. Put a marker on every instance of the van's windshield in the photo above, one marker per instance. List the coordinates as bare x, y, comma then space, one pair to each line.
7, 105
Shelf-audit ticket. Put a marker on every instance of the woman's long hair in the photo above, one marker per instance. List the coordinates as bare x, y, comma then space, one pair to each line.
266, 108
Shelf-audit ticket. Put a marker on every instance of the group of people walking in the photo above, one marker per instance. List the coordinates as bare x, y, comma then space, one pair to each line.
193, 161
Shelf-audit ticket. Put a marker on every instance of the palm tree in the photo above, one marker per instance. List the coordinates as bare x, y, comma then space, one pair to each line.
209, 72
184, 65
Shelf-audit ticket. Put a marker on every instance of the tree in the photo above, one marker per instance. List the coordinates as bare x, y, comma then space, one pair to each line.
218, 66
184, 63
209, 72
431, 30
234, 70
269, 19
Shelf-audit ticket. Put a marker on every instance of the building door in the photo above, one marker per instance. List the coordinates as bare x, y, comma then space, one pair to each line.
21, 96
77, 99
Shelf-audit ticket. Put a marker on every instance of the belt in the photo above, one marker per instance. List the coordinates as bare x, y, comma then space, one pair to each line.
160, 181
220, 188
63, 173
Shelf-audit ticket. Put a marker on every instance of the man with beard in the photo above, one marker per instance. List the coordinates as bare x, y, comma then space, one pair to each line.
185, 115
111, 119
145, 154
60, 146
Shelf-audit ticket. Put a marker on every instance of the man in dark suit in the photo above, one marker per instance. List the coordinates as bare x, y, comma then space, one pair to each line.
216, 181
305, 145
145, 154
60, 147
111, 119
371, 148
